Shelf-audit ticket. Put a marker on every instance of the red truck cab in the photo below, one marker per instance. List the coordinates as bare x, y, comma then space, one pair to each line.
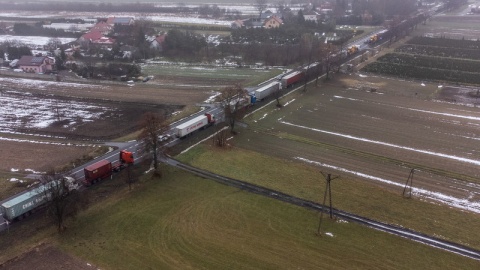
126, 157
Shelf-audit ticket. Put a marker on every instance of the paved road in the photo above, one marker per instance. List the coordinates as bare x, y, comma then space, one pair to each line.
133, 146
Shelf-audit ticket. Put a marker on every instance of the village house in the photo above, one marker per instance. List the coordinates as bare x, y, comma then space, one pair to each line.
267, 19
272, 22
102, 27
266, 14
120, 20
237, 24
311, 16
104, 42
36, 64
96, 38
90, 36
157, 43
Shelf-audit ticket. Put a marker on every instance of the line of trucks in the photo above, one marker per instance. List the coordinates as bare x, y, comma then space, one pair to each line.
25, 203
206, 120
286, 81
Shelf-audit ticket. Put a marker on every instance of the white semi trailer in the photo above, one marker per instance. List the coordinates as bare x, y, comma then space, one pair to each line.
182, 130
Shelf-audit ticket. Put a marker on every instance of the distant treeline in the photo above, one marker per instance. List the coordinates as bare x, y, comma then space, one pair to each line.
211, 10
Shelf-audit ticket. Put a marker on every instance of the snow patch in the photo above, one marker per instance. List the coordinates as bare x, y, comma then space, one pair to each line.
427, 152
263, 117
32, 40
33, 171
463, 204
354, 99
289, 102
212, 97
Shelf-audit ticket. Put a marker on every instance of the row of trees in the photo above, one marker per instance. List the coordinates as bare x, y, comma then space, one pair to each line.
13, 51
184, 43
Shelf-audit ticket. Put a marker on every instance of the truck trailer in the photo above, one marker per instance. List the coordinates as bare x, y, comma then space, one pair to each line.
182, 130
97, 171
266, 90
292, 78
24, 204
104, 168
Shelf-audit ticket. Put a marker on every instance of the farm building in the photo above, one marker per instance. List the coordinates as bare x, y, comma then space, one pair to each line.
102, 27
120, 20
36, 64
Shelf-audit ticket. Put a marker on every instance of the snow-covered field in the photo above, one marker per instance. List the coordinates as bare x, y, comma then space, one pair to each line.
156, 17
21, 109
6, 82
27, 111
32, 40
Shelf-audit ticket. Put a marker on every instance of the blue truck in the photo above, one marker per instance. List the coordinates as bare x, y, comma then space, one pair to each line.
22, 205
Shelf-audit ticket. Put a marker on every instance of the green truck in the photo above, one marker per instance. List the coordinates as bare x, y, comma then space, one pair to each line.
22, 205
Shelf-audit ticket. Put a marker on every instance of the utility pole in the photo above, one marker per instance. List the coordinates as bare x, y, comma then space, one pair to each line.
407, 190
328, 188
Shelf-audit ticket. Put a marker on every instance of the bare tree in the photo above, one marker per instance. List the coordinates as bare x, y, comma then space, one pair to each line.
62, 198
232, 99
331, 60
153, 126
277, 93
261, 5
220, 138
54, 43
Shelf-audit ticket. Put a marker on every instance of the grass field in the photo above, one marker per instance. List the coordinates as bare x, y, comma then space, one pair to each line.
207, 76
347, 132
351, 127
185, 222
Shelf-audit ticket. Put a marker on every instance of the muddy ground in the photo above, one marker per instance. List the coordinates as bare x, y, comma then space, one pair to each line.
46, 257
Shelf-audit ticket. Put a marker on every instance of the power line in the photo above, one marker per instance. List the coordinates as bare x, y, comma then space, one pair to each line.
328, 188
